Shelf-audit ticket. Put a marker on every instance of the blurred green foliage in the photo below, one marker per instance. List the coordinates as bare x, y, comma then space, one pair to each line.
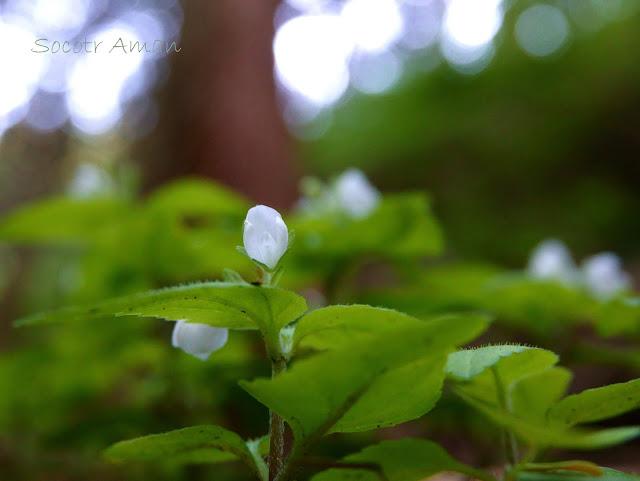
526, 149
114, 379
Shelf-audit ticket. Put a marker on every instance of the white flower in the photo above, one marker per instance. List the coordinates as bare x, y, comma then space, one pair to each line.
198, 340
603, 275
552, 260
355, 194
265, 237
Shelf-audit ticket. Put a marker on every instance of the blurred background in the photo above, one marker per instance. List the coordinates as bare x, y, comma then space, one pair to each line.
521, 118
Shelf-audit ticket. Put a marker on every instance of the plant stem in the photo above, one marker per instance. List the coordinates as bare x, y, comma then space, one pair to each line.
511, 451
276, 427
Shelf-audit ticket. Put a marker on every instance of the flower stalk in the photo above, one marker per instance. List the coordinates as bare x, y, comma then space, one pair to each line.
276, 427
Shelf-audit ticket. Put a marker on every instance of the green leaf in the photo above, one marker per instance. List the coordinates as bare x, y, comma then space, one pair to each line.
194, 196
259, 448
231, 276
401, 227
597, 404
517, 299
62, 220
317, 392
218, 304
468, 363
584, 467
540, 435
402, 394
194, 445
507, 363
518, 374
607, 475
438, 288
402, 460
335, 327
533, 395
617, 316
386, 403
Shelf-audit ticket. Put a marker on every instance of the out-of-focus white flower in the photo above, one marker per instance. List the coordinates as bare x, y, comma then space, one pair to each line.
265, 237
198, 340
603, 275
551, 259
90, 180
355, 194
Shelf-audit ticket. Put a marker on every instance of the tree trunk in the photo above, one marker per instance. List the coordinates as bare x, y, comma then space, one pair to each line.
220, 117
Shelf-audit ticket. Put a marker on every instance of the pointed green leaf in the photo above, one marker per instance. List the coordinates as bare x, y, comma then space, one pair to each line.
468, 363
218, 304
597, 404
402, 460
541, 435
318, 392
259, 448
334, 327
194, 445
400, 395
507, 363
387, 401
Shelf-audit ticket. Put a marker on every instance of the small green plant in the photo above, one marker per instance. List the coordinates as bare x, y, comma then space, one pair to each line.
352, 368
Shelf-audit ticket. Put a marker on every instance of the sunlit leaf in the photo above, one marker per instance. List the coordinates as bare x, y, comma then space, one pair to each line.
386, 403
468, 363
319, 391
336, 326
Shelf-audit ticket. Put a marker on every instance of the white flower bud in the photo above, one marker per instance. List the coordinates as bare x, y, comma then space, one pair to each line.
552, 260
198, 340
265, 237
603, 275
355, 194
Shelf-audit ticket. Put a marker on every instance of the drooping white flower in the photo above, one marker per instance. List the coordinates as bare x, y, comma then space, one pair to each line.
198, 340
551, 259
355, 194
603, 275
265, 237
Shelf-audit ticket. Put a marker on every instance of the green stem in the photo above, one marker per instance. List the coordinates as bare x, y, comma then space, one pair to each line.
276, 428
512, 474
511, 444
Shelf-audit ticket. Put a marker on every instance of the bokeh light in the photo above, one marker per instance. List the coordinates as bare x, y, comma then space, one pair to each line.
374, 24
48, 88
311, 55
541, 30
472, 23
375, 74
